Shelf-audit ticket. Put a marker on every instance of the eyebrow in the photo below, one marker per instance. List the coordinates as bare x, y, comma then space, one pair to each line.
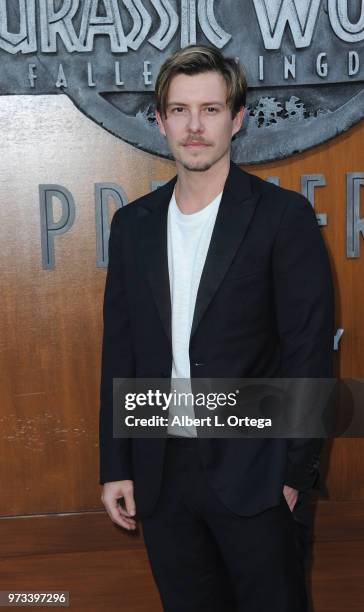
203, 104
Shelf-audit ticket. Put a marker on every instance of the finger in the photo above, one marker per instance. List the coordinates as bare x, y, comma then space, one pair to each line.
293, 502
119, 516
129, 503
125, 522
124, 514
288, 499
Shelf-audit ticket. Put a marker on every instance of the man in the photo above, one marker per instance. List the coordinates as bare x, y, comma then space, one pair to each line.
217, 274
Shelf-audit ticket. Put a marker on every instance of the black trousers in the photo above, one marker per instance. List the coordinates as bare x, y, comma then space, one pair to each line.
205, 558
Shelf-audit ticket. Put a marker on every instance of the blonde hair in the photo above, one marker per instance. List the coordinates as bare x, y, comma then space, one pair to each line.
196, 59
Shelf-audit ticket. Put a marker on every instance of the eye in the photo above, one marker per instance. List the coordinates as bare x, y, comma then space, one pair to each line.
177, 110
212, 110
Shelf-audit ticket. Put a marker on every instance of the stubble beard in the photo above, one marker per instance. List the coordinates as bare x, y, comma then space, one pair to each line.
201, 166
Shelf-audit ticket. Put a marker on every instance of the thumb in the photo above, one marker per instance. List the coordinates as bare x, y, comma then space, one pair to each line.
129, 503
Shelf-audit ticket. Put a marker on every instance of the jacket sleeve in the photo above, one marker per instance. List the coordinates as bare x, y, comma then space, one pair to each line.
117, 359
304, 301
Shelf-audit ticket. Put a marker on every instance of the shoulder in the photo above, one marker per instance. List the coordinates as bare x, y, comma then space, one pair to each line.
143, 204
276, 195
277, 204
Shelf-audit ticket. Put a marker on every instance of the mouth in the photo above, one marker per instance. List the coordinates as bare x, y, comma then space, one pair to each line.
195, 145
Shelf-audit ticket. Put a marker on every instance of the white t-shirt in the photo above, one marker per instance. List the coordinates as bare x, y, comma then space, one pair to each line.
188, 242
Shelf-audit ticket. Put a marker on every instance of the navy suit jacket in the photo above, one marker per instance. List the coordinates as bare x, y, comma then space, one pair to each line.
264, 308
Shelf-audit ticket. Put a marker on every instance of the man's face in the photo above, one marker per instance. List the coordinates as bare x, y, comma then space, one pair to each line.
199, 125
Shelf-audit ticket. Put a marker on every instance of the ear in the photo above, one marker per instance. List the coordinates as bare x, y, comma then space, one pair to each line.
238, 120
160, 123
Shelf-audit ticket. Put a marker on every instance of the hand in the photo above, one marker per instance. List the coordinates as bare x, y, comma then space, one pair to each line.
112, 491
291, 496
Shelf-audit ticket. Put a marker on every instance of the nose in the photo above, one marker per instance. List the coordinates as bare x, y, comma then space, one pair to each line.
195, 123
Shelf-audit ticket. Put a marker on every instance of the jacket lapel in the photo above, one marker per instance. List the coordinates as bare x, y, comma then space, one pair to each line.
235, 212
152, 223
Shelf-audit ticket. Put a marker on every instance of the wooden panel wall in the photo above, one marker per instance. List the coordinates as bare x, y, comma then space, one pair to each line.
50, 333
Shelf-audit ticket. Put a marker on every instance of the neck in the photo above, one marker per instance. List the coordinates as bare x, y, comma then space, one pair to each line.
195, 190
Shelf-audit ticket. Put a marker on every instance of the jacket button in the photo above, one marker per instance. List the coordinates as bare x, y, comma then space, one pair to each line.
198, 364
